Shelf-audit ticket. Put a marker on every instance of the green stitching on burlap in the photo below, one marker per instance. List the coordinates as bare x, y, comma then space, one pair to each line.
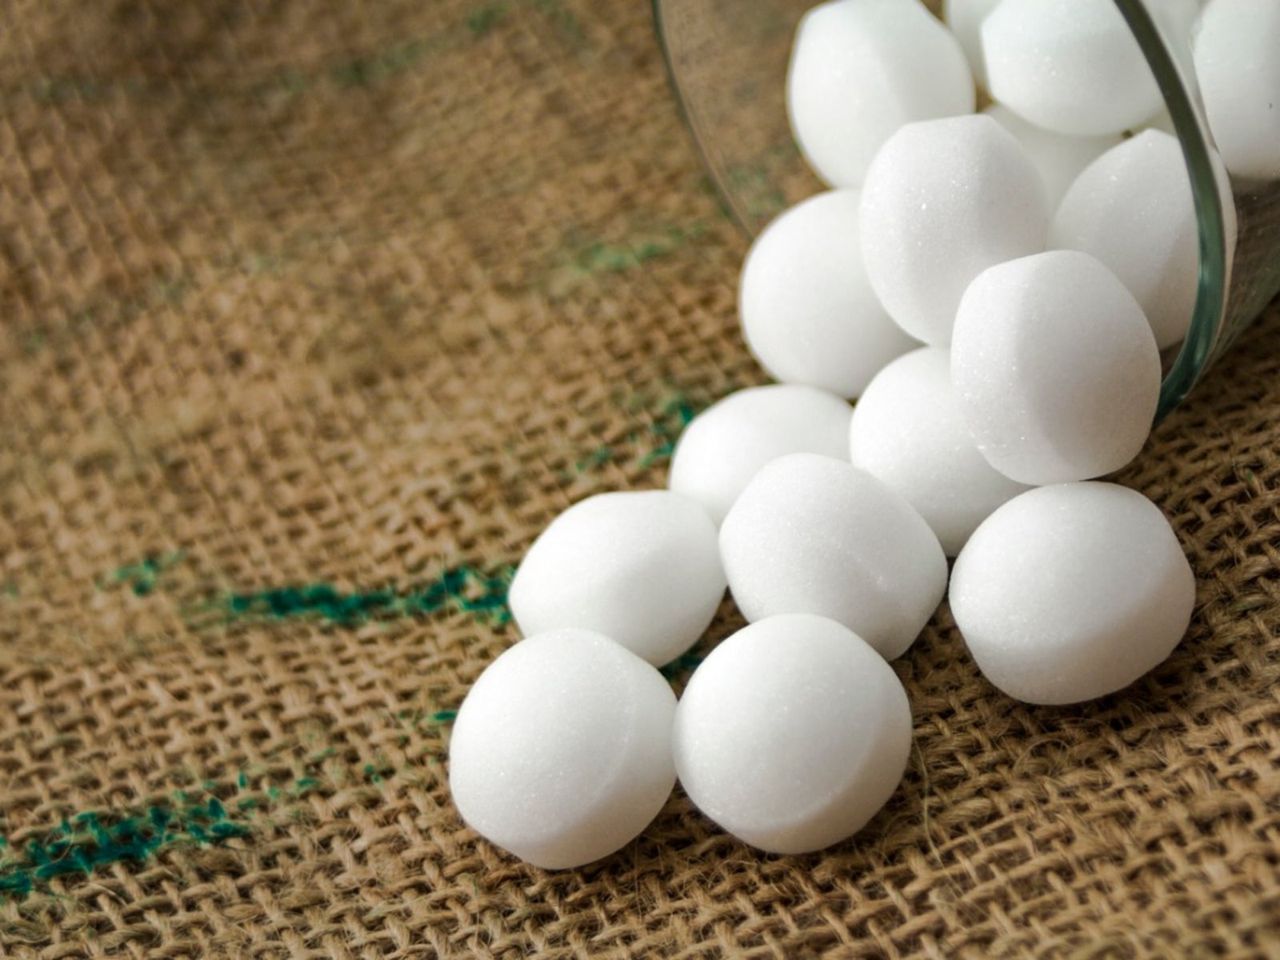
650, 442
673, 417
687, 662
483, 19
87, 841
598, 256
142, 576
464, 588
565, 22
382, 65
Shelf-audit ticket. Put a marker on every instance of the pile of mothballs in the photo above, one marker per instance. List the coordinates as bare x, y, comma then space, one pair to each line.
996, 289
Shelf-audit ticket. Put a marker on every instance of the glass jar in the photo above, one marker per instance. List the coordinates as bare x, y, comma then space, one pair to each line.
728, 64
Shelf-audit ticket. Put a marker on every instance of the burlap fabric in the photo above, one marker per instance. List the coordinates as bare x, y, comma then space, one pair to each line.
313, 315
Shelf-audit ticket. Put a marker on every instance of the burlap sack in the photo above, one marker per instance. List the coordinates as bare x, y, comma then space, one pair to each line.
313, 315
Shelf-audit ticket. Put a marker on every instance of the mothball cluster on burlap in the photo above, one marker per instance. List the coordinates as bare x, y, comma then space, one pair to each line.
995, 288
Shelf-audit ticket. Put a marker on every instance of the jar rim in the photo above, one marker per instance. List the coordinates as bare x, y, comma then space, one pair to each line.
1204, 337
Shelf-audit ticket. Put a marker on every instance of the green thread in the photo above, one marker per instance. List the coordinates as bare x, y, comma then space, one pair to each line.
142, 576
649, 444
88, 841
594, 460
687, 662
464, 588
483, 19
601, 257
581, 257
377, 771
670, 422
357, 73
563, 20
368, 70
413, 722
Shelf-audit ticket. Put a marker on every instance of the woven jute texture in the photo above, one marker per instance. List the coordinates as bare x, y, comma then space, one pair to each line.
313, 315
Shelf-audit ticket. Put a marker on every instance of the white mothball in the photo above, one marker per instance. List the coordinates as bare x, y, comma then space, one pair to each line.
856, 76
1055, 368
907, 431
944, 200
561, 752
723, 447
965, 17
1058, 157
1068, 65
808, 314
812, 534
1070, 592
792, 734
1236, 49
639, 567
1132, 209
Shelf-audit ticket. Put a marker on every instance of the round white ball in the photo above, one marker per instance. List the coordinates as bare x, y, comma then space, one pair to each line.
907, 431
808, 313
1058, 157
812, 534
1068, 65
944, 200
723, 447
561, 752
855, 77
640, 567
965, 17
792, 734
1132, 209
1070, 592
1055, 367
1236, 46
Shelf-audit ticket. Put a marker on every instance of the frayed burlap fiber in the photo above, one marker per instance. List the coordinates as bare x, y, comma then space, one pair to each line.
311, 317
